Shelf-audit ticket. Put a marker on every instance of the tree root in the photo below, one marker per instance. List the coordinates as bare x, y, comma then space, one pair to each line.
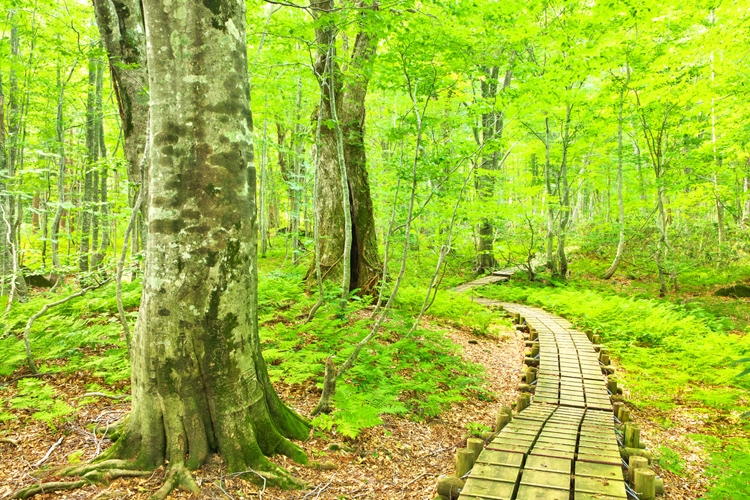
177, 477
100, 473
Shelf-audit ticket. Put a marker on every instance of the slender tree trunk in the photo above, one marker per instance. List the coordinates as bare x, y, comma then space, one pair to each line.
564, 187
5, 256
551, 260
662, 242
263, 189
122, 30
92, 154
620, 202
491, 130
746, 209
60, 127
14, 130
103, 193
299, 178
199, 382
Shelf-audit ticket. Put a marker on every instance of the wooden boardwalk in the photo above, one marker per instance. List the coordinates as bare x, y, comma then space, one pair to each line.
563, 446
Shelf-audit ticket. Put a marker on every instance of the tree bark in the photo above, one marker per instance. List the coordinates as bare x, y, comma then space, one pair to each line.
60, 128
349, 94
123, 32
92, 155
199, 381
491, 126
612, 269
14, 129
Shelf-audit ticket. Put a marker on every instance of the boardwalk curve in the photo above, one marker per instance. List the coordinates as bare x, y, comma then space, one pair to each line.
563, 445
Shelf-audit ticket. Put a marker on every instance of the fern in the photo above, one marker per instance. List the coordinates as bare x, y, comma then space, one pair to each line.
36, 395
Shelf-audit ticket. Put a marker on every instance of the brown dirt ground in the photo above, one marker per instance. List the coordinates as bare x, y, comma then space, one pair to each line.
400, 459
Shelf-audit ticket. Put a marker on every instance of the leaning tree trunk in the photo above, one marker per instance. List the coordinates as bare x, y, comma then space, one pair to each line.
349, 97
199, 382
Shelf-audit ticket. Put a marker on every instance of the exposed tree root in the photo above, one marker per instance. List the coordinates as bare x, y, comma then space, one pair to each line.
111, 431
101, 473
177, 477
47, 487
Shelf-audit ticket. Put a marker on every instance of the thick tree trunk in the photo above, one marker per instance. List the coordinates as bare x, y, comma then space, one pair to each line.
199, 382
350, 109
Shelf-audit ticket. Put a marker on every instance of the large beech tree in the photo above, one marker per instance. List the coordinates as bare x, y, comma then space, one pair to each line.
199, 381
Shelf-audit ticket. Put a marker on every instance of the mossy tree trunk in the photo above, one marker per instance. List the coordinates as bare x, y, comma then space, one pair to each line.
199, 381
491, 130
123, 32
349, 92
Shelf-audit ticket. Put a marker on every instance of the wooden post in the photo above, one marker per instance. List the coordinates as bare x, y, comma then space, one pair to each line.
533, 334
604, 358
645, 484
520, 403
464, 461
530, 374
612, 386
501, 420
535, 349
632, 435
450, 486
624, 415
659, 486
476, 445
634, 464
596, 339
617, 409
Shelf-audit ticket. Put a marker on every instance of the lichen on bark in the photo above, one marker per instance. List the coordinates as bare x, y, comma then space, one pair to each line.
199, 381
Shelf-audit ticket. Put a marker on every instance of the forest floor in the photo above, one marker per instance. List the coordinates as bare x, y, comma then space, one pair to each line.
401, 458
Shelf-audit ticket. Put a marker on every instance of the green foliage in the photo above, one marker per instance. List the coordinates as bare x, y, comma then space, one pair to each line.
457, 309
419, 375
730, 461
83, 333
476, 429
668, 352
39, 398
670, 460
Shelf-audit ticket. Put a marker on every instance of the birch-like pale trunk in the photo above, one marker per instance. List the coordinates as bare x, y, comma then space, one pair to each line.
612, 269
